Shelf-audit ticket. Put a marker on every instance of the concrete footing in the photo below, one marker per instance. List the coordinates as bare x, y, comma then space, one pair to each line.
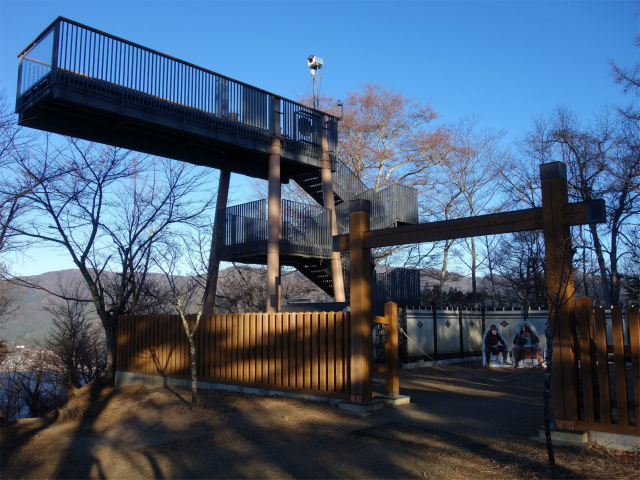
361, 408
124, 379
395, 400
559, 436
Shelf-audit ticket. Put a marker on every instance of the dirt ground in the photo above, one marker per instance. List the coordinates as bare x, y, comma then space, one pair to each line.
463, 422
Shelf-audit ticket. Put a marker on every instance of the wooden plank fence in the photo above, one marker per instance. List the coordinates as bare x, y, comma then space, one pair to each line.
608, 394
304, 353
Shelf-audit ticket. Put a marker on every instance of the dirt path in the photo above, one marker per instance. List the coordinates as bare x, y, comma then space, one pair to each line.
464, 422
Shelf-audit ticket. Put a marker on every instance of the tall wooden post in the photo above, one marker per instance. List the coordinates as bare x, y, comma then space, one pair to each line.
329, 202
274, 215
391, 349
217, 238
360, 292
560, 289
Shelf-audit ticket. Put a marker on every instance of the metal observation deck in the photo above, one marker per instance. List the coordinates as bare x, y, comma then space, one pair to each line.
78, 81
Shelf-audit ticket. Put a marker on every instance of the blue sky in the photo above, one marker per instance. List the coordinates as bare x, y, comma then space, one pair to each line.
507, 61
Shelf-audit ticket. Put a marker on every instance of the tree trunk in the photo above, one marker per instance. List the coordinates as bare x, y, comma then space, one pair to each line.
110, 324
547, 393
443, 273
194, 372
474, 285
601, 263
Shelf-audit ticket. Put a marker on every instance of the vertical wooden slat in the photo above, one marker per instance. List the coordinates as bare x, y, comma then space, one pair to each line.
122, 336
292, 349
300, 317
126, 343
246, 347
202, 332
279, 349
259, 348
217, 345
252, 347
175, 361
227, 343
209, 346
619, 365
633, 321
331, 349
314, 351
153, 351
272, 348
237, 345
603, 367
285, 349
153, 348
169, 348
585, 318
120, 343
307, 350
232, 345
159, 345
340, 354
347, 352
322, 339
391, 349
136, 344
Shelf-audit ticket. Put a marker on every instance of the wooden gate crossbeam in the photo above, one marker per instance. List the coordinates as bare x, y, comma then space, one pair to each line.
579, 213
554, 218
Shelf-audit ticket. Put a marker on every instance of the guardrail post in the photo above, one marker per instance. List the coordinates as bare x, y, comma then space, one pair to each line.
360, 292
391, 349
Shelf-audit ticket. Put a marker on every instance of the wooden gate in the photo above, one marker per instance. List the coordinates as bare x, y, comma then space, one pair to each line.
608, 390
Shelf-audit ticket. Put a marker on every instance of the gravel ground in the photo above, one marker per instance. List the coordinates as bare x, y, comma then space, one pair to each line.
463, 422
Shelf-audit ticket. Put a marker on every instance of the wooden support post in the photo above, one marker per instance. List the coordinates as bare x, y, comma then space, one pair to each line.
217, 238
360, 286
560, 290
391, 349
274, 215
329, 202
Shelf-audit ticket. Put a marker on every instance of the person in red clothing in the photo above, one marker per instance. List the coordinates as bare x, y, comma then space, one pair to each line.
526, 343
494, 344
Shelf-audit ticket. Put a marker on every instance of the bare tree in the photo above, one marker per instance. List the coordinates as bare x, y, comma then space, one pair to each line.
75, 342
465, 183
14, 186
107, 208
185, 290
629, 78
603, 161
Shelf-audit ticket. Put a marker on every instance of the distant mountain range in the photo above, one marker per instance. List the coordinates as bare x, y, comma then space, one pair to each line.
32, 321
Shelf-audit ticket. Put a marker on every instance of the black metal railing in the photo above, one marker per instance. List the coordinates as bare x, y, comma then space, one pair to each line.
306, 230
346, 184
245, 230
70, 52
396, 204
400, 285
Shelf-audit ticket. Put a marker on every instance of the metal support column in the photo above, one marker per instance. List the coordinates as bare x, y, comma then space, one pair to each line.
218, 236
329, 202
274, 220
